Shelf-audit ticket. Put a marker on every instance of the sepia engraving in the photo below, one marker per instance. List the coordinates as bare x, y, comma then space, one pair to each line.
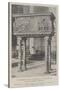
33, 45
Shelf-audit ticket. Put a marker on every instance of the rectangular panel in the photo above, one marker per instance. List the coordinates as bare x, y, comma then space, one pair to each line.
32, 25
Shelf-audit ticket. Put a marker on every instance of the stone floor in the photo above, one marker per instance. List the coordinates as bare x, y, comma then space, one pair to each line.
35, 75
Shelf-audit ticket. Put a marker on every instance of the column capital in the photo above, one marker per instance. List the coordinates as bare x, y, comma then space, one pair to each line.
19, 38
46, 37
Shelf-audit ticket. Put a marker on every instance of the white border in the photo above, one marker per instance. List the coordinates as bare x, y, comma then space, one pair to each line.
10, 32
4, 42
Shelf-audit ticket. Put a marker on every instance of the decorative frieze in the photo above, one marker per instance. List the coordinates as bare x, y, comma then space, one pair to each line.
37, 24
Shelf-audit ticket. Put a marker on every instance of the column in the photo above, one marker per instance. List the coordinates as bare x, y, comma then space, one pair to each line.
19, 52
32, 49
24, 55
49, 53
46, 54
